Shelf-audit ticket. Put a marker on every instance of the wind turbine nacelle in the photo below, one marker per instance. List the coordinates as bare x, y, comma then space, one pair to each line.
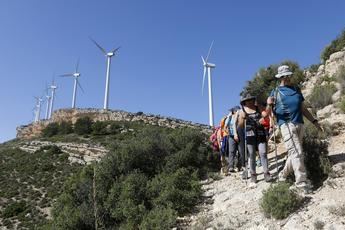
211, 65
53, 87
76, 75
110, 54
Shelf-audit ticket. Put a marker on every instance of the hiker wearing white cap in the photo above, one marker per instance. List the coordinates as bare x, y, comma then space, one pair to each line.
288, 108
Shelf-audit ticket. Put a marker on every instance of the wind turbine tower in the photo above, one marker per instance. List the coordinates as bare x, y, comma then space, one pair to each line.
53, 87
38, 108
207, 68
76, 76
48, 98
109, 55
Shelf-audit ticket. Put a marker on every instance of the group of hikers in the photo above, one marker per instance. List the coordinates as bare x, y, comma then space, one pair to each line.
247, 129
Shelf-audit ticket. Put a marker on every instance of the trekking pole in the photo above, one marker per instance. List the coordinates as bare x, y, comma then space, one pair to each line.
245, 150
275, 145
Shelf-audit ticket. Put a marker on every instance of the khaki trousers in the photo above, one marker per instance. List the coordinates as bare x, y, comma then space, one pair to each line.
292, 135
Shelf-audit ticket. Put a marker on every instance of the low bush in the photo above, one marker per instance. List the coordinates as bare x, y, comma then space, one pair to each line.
279, 201
159, 218
143, 183
99, 128
65, 127
14, 209
321, 95
83, 126
52, 129
335, 46
314, 68
315, 147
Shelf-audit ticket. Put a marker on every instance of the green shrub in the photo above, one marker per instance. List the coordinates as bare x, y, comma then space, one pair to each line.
159, 218
51, 149
14, 209
321, 95
149, 177
315, 147
335, 46
314, 68
65, 127
83, 126
99, 128
279, 201
52, 129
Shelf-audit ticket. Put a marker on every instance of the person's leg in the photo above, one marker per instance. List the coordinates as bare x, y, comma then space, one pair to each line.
298, 160
232, 153
284, 129
241, 160
263, 156
252, 164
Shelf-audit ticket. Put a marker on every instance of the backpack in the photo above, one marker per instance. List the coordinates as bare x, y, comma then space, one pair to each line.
224, 126
214, 139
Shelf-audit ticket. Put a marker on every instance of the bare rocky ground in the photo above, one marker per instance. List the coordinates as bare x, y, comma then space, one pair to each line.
232, 204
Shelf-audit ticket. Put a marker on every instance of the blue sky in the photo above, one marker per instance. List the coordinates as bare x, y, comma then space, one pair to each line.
158, 69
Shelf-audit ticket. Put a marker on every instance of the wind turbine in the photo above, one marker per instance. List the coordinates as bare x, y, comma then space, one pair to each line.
48, 98
75, 75
38, 108
207, 68
109, 55
53, 87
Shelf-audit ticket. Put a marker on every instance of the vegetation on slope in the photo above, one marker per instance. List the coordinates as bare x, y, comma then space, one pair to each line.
29, 184
149, 178
335, 46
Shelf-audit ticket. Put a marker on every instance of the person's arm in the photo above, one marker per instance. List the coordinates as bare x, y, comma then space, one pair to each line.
234, 124
310, 117
241, 118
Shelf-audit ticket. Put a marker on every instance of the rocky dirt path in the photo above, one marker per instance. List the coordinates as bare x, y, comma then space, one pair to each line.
233, 205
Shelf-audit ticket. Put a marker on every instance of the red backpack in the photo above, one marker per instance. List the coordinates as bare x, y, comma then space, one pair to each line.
214, 139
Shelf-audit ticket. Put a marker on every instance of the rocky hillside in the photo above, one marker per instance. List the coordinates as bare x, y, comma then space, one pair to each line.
34, 129
230, 204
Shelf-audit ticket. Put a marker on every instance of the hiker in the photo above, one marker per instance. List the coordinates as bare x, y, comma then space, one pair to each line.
223, 141
255, 137
286, 101
234, 140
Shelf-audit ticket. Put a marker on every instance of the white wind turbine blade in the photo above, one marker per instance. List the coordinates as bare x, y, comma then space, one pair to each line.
203, 81
115, 50
209, 51
77, 66
100, 47
66, 75
78, 83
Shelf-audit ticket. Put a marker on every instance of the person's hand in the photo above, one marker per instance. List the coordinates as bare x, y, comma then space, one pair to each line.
318, 126
270, 100
236, 138
261, 121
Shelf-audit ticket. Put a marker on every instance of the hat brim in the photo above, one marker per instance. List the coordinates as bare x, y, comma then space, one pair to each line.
280, 75
247, 99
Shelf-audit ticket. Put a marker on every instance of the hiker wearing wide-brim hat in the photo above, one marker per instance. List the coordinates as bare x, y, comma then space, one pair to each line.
286, 101
247, 97
255, 137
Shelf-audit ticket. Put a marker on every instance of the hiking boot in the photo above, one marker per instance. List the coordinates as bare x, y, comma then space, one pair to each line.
268, 177
245, 175
281, 177
231, 170
253, 178
302, 190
